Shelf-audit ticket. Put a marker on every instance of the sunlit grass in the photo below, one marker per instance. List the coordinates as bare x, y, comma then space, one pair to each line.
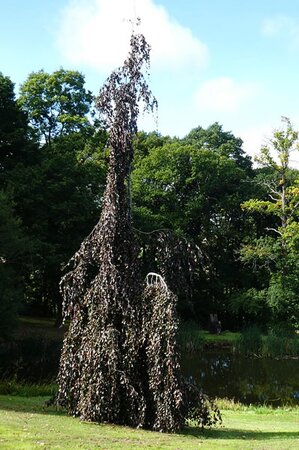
192, 339
225, 336
26, 423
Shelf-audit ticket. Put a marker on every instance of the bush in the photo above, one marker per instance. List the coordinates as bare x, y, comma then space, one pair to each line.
250, 341
190, 339
280, 343
274, 346
26, 390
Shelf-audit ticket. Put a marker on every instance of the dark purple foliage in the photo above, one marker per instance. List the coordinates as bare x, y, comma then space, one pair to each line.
119, 361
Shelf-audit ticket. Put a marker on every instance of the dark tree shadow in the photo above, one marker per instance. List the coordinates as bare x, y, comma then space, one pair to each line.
233, 433
27, 405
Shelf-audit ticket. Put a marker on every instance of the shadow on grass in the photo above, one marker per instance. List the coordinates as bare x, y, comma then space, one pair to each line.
233, 433
37, 405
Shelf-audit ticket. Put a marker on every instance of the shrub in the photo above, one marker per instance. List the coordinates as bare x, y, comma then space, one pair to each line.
191, 341
11, 387
250, 341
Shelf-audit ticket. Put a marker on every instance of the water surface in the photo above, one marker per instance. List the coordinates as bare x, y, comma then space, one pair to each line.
248, 380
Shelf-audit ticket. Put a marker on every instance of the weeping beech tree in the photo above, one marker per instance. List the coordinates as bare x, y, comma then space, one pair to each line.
119, 360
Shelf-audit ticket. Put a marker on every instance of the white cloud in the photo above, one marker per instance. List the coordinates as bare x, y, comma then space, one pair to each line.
258, 136
255, 137
96, 33
282, 26
223, 95
275, 25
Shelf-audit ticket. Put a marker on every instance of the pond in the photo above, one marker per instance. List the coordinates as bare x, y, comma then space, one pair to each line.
248, 380
220, 373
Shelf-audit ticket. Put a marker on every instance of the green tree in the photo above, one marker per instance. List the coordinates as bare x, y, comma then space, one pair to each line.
277, 249
214, 138
58, 199
57, 195
13, 127
15, 249
12, 253
196, 192
56, 104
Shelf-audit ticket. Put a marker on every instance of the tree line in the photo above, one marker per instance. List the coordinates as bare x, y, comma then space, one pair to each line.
202, 188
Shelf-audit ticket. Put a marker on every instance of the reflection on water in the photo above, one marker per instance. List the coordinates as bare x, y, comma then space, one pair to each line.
248, 380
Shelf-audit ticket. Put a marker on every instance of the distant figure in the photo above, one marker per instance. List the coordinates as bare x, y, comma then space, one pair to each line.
215, 324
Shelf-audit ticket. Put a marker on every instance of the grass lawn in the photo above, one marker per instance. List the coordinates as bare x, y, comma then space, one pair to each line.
192, 339
25, 423
226, 336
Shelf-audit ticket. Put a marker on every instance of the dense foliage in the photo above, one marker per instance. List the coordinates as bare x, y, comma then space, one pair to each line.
276, 250
53, 166
12, 250
56, 104
196, 191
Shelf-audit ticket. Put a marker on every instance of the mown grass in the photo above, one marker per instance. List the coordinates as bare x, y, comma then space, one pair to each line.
26, 423
225, 336
193, 340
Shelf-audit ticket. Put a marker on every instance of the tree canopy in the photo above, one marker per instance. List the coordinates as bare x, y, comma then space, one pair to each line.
13, 126
276, 249
56, 104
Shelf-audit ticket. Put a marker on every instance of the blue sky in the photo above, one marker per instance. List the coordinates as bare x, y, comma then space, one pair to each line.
231, 61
